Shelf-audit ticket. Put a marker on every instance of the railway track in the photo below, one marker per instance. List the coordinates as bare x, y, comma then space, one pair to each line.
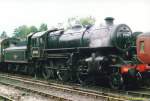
145, 91
101, 94
34, 91
5, 98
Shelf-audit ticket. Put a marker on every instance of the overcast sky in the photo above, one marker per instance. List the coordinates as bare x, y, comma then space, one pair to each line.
14, 13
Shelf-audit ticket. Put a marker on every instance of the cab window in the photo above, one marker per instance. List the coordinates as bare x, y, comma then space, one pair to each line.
35, 42
41, 41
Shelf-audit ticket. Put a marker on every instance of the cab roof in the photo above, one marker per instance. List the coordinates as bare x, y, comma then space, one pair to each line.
147, 34
39, 34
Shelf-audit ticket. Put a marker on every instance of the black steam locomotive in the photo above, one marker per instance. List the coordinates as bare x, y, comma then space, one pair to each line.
76, 54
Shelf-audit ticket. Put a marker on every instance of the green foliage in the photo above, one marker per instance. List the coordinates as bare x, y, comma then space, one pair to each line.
3, 35
85, 21
72, 20
43, 27
23, 31
33, 29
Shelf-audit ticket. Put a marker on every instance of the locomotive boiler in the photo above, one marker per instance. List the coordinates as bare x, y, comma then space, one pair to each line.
78, 54
108, 35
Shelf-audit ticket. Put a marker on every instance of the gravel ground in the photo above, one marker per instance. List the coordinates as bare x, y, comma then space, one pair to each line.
19, 95
71, 96
26, 96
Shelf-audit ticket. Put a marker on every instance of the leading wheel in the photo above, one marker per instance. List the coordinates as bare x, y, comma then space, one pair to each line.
116, 81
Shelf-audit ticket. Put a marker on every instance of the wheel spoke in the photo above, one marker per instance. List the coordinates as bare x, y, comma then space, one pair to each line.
82, 75
116, 81
48, 71
81, 78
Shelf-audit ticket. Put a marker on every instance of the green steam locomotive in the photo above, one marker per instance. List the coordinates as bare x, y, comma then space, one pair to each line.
77, 54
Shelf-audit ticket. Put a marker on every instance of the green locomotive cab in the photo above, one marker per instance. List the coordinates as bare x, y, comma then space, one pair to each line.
37, 44
40, 41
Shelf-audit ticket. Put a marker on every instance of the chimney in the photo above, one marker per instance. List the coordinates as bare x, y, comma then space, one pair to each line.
109, 21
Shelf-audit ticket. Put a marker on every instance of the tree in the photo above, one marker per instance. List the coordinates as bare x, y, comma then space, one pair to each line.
33, 29
43, 27
71, 21
84, 21
3, 35
21, 31
87, 21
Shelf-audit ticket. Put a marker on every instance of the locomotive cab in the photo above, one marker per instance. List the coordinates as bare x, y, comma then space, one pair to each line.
37, 44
